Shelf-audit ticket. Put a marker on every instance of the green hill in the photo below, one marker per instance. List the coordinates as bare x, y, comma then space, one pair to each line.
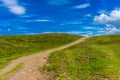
12, 47
98, 58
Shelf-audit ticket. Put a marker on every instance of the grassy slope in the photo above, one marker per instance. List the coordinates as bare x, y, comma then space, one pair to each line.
12, 47
98, 58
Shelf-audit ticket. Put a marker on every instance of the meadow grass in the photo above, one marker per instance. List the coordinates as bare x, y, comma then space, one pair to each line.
13, 47
97, 58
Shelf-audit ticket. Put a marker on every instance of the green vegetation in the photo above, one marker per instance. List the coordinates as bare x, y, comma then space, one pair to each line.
98, 58
12, 47
3, 76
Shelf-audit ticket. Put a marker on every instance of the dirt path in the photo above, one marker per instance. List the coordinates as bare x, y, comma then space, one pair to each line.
32, 64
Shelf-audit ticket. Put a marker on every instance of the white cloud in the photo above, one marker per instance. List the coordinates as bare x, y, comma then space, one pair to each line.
71, 23
27, 16
82, 6
14, 7
88, 15
101, 31
91, 28
43, 20
111, 20
17, 10
68, 32
10, 2
74, 32
90, 33
40, 20
112, 30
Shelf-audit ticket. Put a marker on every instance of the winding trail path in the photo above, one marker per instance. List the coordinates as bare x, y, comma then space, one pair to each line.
32, 64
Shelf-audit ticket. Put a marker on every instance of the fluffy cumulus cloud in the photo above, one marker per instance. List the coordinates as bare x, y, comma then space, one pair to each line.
111, 20
14, 7
82, 6
112, 30
58, 2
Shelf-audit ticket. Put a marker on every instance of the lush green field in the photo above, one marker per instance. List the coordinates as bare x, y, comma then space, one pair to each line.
12, 47
98, 58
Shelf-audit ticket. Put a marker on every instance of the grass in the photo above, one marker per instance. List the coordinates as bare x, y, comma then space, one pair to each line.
3, 76
98, 58
13, 47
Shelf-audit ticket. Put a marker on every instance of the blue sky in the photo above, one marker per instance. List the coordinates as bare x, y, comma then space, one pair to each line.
81, 17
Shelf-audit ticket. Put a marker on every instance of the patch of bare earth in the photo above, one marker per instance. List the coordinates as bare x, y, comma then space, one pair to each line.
31, 65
